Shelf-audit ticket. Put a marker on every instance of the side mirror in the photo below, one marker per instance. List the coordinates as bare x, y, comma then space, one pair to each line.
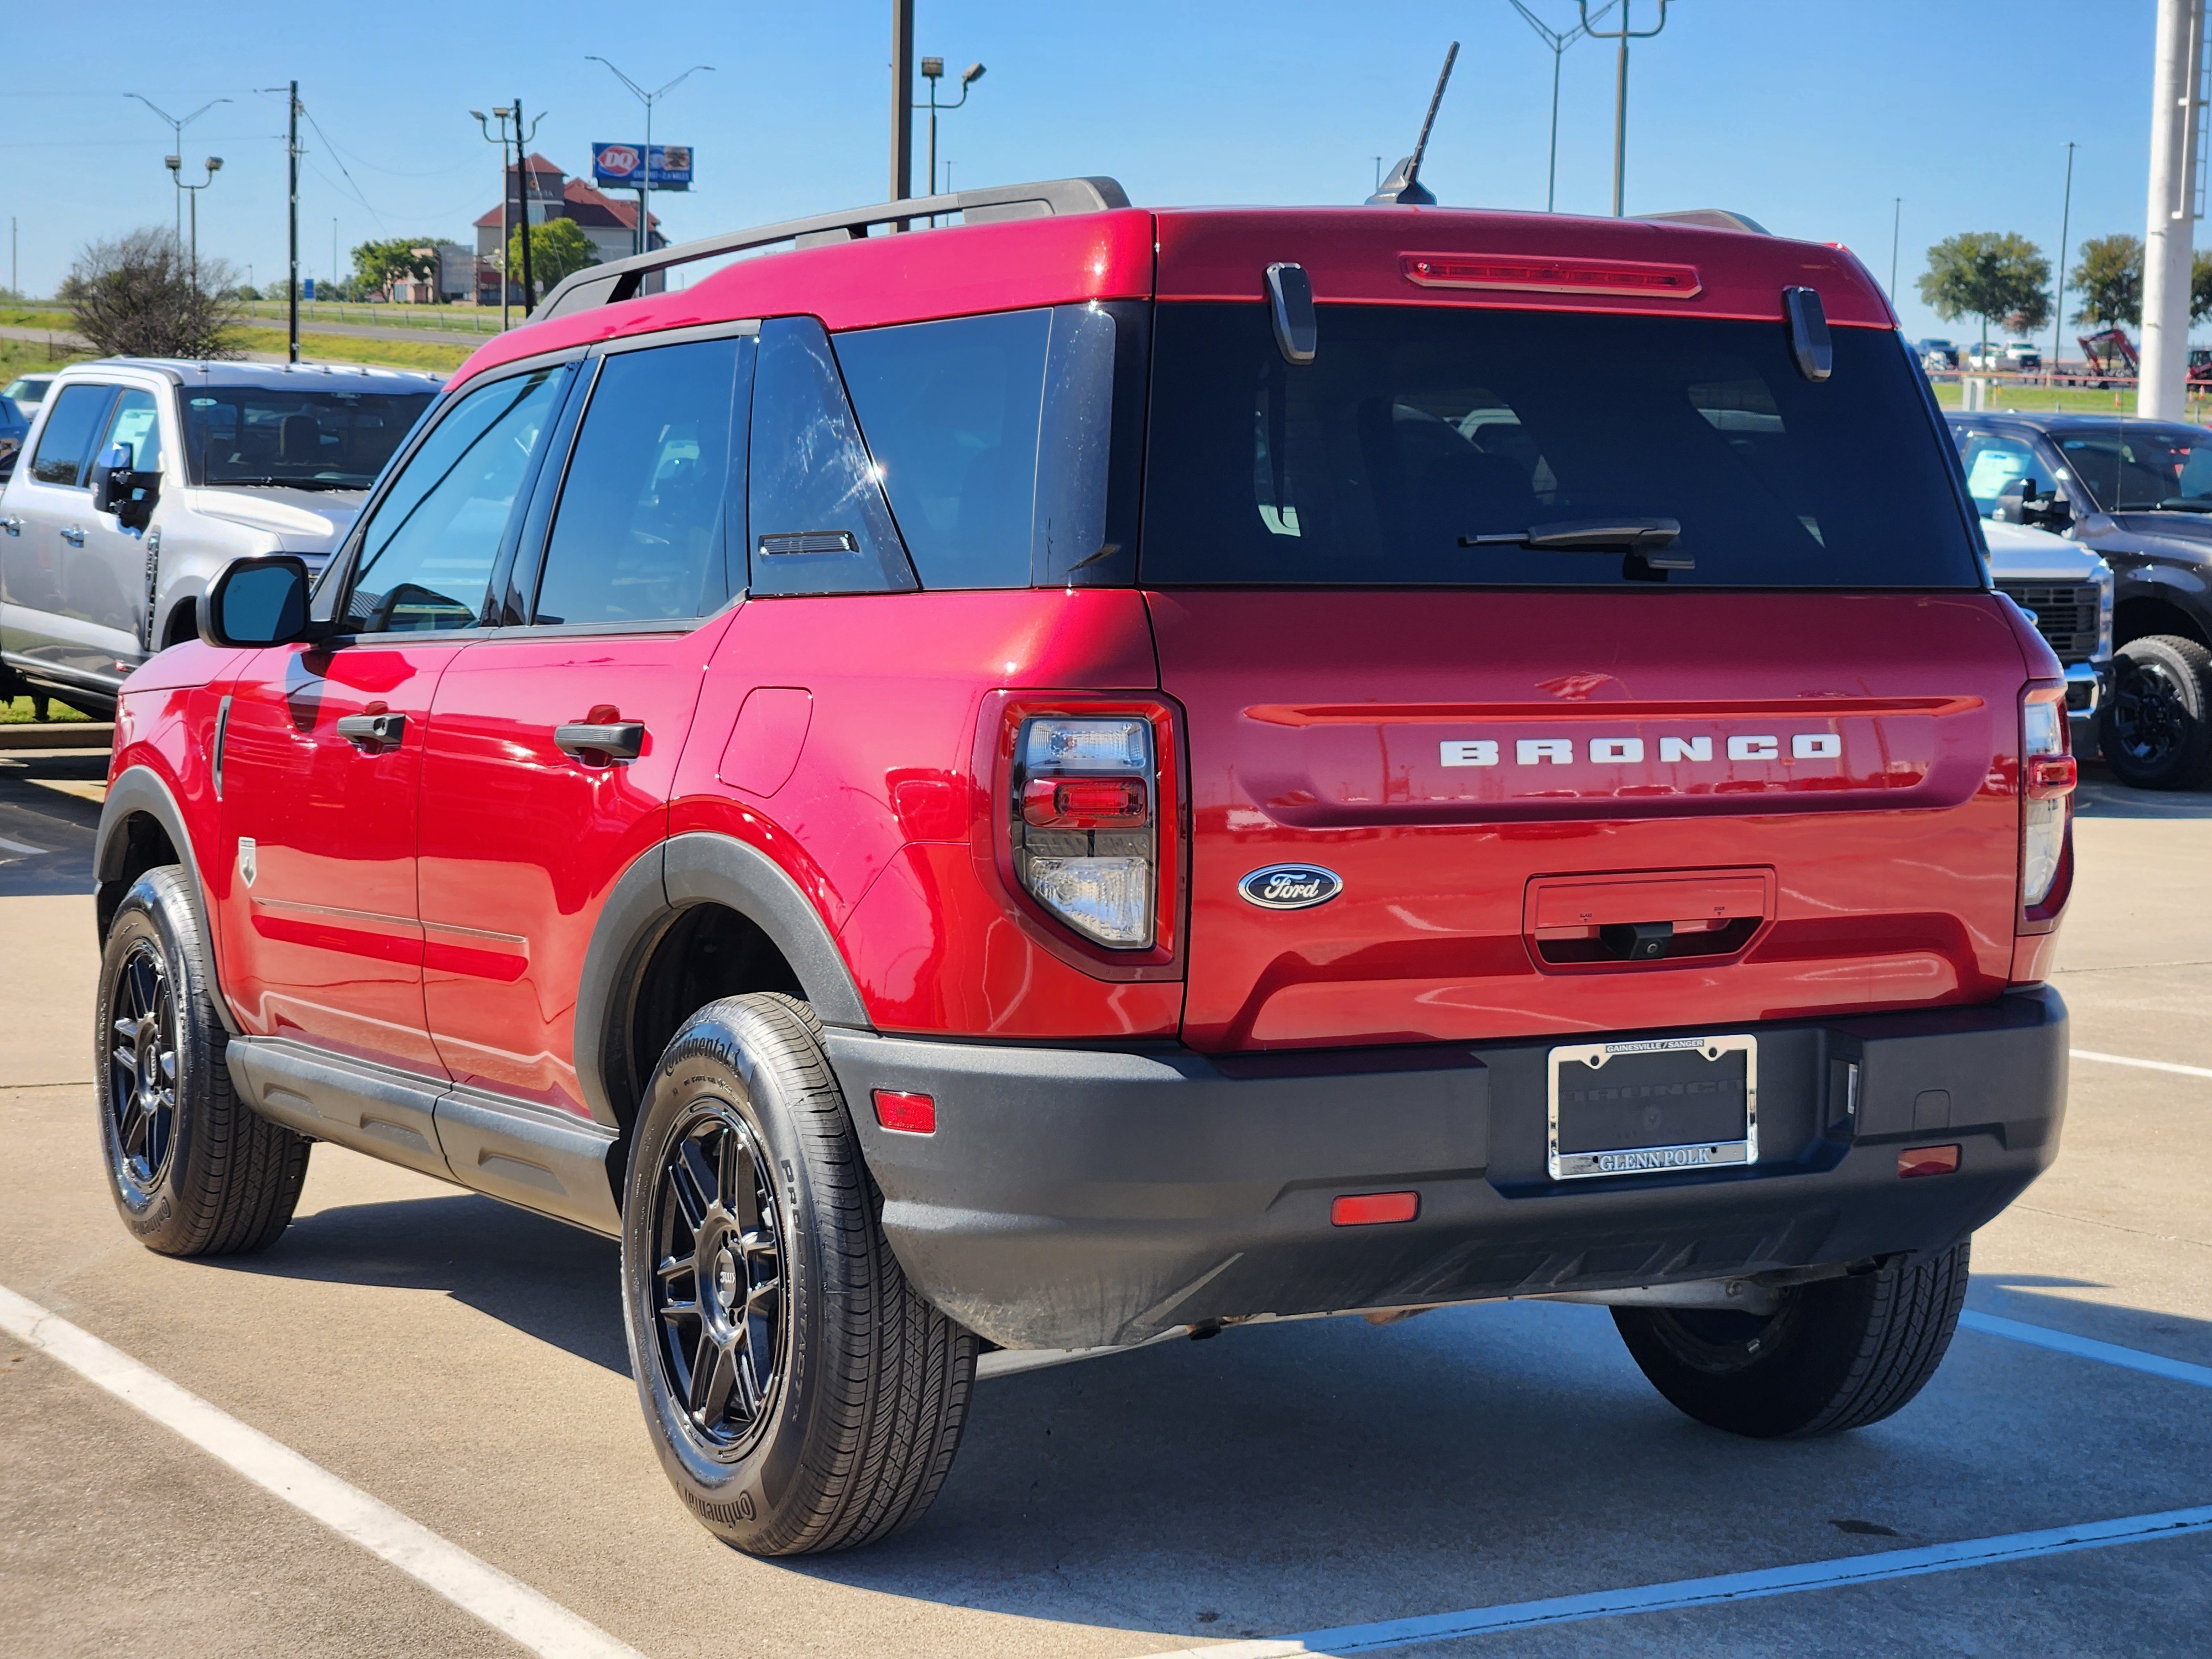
111, 478
2012, 502
255, 602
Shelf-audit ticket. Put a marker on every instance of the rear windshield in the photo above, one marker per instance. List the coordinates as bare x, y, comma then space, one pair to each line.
1416, 426
307, 439
2137, 469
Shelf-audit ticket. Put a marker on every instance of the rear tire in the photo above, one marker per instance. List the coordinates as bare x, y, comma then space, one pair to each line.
193, 1169
2156, 729
801, 1396
1840, 1353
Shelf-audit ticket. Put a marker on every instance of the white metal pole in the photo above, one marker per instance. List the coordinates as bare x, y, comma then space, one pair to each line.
2169, 219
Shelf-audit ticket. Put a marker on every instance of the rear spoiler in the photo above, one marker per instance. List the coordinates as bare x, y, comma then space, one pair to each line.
625, 279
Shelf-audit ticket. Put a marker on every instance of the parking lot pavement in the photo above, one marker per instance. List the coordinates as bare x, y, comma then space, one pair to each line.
463, 1364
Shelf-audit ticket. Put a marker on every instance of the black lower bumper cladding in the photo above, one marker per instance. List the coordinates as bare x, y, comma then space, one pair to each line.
1077, 1198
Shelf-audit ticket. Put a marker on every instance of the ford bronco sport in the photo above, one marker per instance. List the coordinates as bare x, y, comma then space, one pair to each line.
1095, 773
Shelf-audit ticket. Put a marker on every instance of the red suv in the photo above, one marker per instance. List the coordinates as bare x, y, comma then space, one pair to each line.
1092, 773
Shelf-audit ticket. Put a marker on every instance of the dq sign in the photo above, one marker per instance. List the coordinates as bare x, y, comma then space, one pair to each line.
622, 167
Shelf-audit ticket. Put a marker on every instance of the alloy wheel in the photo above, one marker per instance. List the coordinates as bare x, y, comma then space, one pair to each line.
2149, 717
141, 1066
718, 1292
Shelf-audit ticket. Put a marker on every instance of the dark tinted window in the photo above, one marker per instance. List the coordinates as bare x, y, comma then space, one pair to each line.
2139, 469
427, 550
1417, 425
310, 437
66, 442
818, 520
640, 530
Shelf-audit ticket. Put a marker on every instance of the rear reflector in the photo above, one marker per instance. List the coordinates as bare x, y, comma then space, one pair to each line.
1927, 1161
1050, 803
1365, 1209
910, 1114
2051, 774
1660, 282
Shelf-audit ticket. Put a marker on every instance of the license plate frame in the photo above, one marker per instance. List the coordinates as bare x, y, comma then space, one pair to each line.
1675, 1158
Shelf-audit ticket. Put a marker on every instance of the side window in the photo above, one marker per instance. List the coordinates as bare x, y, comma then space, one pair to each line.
136, 423
817, 521
992, 436
1992, 464
65, 445
427, 550
641, 530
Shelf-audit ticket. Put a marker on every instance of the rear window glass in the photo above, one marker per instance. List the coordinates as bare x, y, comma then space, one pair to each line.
2134, 469
1416, 428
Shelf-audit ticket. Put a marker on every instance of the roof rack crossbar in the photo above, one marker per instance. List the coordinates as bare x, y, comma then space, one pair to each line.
624, 279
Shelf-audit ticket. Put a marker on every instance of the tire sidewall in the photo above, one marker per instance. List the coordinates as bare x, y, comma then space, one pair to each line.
149, 912
718, 1057
2172, 661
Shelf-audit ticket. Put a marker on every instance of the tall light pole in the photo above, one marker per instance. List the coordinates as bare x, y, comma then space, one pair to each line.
645, 177
1624, 34
177, 125
501, 114
933, 70
901, 102
2065, 224
176, 167
2163, 384
1558, 43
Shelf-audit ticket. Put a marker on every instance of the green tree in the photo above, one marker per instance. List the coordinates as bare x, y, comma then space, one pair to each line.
1991, 275
558, 250
2200, 287
2109, 279
384, 265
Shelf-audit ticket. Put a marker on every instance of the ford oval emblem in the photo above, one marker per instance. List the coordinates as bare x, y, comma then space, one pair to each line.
1290, 886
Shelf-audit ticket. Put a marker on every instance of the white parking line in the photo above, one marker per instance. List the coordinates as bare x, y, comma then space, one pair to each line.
2083, 1347
507, 1605
2146, 1064
1705, 1592
21, 846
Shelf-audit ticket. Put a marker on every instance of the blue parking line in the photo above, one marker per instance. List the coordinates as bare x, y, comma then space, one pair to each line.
2083, 1347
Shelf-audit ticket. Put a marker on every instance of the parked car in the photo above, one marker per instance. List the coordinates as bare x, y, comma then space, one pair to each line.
2138, 492
1097, 774
1985, 357
1937, 354
2067, 592
2023, 358
147, 477
28, 392
15, 427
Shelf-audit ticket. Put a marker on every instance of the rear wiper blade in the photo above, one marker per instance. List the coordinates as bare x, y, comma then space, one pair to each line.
1644, 538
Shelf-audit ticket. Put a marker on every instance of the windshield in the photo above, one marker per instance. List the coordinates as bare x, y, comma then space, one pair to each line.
2142, 469
306, 439
1456, 447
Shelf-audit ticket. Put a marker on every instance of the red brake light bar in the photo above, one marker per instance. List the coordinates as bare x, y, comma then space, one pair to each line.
1614, 276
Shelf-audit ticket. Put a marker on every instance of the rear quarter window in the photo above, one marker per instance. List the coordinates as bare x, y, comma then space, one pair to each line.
1418, 425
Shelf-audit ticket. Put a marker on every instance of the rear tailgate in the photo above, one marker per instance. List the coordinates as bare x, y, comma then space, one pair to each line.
1499, 777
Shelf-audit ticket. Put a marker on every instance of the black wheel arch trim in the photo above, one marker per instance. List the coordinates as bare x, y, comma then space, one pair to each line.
141, 791
688, 869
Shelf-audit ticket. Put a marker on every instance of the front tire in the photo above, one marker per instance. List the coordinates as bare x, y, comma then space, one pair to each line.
2156, 729
192, 1168
801, 1396
1839, 1353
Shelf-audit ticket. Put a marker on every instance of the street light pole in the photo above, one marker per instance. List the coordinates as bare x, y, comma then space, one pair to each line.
214, 166
933, 70
2065, 224
501, 113
1624, 34
177, 125
1558, 43
645, 171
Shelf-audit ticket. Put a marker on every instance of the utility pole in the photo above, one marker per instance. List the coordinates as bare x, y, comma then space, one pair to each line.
902, 101
292, 198
522, 186
2170, 215
1558, 43
1624, 34
2065, 224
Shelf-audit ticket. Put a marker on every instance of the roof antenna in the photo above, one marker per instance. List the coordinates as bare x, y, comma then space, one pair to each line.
1403, 188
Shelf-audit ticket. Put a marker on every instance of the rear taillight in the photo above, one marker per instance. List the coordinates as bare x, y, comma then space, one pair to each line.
2047, 778
1085, 842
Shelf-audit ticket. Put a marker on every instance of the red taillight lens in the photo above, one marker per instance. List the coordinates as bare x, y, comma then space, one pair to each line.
2047, 778
1369, 1209
909, 1114
2051, 774
1086, 803
1927, 1161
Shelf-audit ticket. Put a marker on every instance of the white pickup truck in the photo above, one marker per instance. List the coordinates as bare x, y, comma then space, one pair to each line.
142, 477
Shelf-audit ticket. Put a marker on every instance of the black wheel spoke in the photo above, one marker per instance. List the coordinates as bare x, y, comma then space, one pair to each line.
729, 1171
685, 1185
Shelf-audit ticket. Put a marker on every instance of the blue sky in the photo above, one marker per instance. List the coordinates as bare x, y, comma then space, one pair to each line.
1810, 115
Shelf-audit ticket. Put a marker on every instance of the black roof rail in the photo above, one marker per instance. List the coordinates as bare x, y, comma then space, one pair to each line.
624, 279
1712, 219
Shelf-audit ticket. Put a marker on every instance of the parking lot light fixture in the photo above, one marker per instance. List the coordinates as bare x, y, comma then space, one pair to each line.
177, 125
645, 174
1625, 33
933, 70
214, 165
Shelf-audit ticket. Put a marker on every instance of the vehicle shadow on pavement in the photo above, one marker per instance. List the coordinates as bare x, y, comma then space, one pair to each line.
48, 816
556, 1282
2101, 797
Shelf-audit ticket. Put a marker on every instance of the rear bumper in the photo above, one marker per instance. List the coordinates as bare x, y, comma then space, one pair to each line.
1077, 1198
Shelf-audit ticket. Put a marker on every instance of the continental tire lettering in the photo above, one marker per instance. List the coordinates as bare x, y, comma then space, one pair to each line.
728, 1514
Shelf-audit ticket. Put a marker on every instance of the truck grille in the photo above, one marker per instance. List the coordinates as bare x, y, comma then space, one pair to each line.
2065, 615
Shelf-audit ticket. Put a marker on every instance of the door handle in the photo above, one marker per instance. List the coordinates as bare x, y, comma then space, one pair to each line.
13, 526
73, 536
597, 744
373, 733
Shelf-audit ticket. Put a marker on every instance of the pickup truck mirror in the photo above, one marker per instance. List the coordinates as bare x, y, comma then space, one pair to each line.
257, 601
119, 488
2020, 503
